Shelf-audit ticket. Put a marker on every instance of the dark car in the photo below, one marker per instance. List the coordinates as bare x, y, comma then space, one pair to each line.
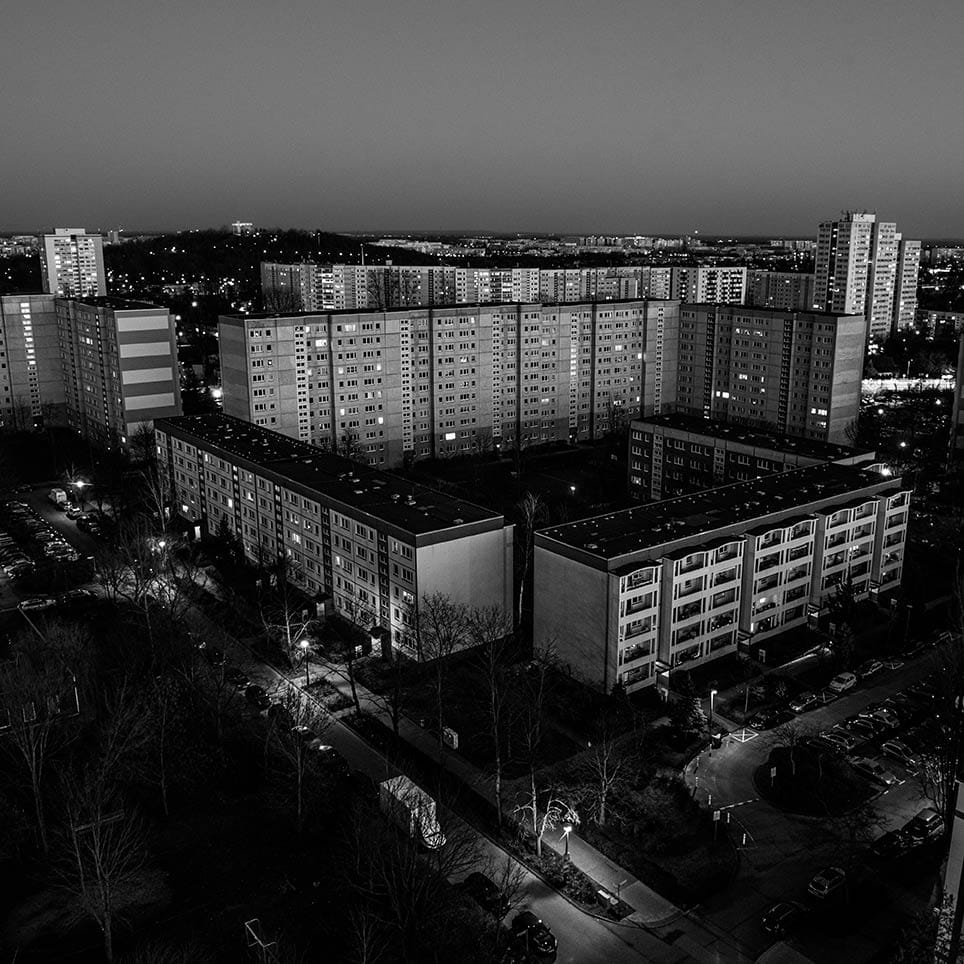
805, 701
486, 894
782, 918
257, 696
869, 669
236, 677
768, 719
894, 843
330, 759
926, 826
532, 934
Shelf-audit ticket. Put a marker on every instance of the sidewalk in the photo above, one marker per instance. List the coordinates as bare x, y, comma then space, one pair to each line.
651, 912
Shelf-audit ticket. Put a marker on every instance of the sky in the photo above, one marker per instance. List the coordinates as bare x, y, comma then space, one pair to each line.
722, 116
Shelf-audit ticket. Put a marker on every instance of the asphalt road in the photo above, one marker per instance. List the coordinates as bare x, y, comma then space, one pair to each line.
782, 851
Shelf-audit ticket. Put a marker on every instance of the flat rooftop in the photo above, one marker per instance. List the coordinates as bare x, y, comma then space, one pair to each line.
757, 438
648, 526
117, 304
414, 508
750, 309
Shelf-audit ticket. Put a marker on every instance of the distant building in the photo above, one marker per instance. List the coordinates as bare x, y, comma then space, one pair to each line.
376, 545
630, 596
72, 263
957, 415
864, 266
32, 374
333, 287
781, 290
673, 455
796, 373
242, 228
935, 320
119, 366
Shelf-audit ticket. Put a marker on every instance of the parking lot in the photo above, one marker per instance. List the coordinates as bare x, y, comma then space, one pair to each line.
782, 852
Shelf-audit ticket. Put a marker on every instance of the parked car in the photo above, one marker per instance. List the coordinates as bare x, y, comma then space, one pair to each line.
863, 728
889, 719
925, 826
845, 741
75, 513
768, 719
869, 668
843, 682
780, 919
900, 752
532, 934
894, 843
828, 746
828, 883
77, 597
257, 696
330, 758
893, 663
486, 894
874, 771
805, 701
36, 603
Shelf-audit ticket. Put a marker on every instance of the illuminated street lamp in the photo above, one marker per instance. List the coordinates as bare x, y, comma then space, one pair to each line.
79, 485
572, 489
566, 830
304, 644
712, 694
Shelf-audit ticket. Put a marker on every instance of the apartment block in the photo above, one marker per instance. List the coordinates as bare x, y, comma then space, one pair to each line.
781, 290
864, 266
706, 283
336, 287
119, 363
31, 373
673, 455
72, 263
631, 596
373, 543
433, 382
796, 373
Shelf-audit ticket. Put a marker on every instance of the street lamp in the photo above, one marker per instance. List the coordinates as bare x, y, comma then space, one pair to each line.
712, 694
79, 486
572, 489
566, 830
304, 644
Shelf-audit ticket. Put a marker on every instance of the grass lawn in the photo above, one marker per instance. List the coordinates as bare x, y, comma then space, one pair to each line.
811, 782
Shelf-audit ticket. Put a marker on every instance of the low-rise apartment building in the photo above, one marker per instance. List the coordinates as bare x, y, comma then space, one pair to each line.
632, 595
373, 543
671, 455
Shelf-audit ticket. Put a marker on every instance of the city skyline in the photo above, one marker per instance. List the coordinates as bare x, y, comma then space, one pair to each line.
738, 118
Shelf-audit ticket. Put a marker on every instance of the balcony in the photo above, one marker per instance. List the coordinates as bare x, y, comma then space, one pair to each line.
631, 653
837, 539
689, 610
689, 587
799, 552
767, 583
718, 622
801, 529
896, 520
691, 563
725, 577
798, 572
724, 598
768, 562
725, 553
770, 540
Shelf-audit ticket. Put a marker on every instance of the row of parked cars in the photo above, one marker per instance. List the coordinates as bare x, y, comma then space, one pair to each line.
33, 529
13, 559
72, 599
829, 886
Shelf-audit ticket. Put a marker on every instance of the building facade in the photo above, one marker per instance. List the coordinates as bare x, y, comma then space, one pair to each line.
119, 363
781, 290
72, 263
630, 596
31, 373
864, 266
795, 373
673, 455
440, 381
335, 287
376, 545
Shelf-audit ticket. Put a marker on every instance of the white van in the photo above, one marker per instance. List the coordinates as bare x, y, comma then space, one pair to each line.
843, 682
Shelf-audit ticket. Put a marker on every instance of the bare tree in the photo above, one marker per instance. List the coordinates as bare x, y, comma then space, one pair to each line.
491, 631
792, 735
284, 610
443, 628
607, 765
104, 849
369, 941
556, 810
37, 700
163, 952
532, 511
294, 734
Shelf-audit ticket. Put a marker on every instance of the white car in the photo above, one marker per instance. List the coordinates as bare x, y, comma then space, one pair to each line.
35, 603
843, 682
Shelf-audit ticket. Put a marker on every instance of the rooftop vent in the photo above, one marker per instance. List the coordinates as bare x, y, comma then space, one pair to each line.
592, 545
395, 497
457, 522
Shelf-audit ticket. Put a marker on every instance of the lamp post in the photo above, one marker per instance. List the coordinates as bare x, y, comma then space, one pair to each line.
79, 485
712, 694
566, 830
304, 649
